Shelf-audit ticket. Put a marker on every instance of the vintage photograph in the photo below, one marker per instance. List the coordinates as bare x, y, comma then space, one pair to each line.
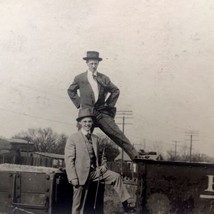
106, 107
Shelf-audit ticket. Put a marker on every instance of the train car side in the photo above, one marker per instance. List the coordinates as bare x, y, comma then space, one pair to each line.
175, 187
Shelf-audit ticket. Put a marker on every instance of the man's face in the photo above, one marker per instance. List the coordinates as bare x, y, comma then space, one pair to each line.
86, 123
92, 65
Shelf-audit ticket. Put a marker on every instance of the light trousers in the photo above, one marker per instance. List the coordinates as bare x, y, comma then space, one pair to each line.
108, 177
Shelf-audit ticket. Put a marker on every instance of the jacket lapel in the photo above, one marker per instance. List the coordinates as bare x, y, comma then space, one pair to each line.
82, 141
98, 82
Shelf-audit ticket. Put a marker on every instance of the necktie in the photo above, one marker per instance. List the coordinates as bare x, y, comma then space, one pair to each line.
99, 80
88, 136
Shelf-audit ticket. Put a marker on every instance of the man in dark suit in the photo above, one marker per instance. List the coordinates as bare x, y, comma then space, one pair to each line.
94, 88
83, 163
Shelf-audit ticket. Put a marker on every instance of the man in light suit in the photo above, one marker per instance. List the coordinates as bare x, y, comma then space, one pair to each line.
83, 164
93, 88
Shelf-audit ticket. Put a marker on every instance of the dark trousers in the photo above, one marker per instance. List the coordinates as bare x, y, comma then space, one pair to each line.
111, 129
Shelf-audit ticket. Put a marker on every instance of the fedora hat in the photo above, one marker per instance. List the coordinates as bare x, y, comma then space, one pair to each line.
92, 55
85, 112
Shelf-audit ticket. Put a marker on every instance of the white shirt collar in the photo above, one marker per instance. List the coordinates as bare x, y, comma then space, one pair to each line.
92, 74
84, 132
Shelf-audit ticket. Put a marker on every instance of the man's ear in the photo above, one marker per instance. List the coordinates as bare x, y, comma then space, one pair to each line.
79, 126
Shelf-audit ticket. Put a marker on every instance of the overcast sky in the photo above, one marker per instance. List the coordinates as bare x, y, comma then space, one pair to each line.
160, 53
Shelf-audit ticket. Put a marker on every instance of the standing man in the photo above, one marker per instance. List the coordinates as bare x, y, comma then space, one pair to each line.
83, 164
93, 88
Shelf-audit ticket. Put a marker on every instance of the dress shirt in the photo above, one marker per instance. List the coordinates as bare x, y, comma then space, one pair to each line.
85, 132
93, 84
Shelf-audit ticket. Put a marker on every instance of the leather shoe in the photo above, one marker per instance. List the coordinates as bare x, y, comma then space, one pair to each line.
127, 208
130, 210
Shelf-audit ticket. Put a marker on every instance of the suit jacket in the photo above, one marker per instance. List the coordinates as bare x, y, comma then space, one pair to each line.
86, 98
77, 159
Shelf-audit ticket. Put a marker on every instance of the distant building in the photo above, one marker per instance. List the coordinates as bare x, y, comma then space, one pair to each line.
151, 156
126, 158
143, 155
13, 150
23, 145
5, 146
126, 166
48, 159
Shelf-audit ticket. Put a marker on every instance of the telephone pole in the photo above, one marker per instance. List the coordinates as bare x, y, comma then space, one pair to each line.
144, 144
192, 134
175, 154
123, 115
190, 149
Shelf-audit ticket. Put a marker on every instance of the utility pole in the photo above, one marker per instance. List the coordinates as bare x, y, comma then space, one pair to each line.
144, 145
122, 158
191, 133
190, 149
28, 152
123, 115
175, 141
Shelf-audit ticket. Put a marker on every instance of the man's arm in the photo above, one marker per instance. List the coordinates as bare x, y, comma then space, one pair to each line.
114, 93
72, 92
70, 156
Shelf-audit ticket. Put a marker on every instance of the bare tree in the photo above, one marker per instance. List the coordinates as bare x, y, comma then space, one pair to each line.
171, 156
111, 150
45, 140
157, 146
60, 144
184, 156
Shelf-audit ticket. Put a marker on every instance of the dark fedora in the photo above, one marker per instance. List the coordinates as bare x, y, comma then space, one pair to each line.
92, 55
85, 112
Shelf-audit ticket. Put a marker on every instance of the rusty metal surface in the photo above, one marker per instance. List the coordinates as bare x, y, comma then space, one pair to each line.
162, 188
37, 190
40, 190
175, 188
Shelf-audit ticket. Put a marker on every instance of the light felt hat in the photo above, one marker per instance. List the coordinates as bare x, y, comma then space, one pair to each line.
85, 112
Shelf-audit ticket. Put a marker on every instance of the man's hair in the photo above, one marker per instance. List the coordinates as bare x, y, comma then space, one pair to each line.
79, 126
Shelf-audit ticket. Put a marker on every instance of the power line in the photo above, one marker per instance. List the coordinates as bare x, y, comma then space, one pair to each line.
51, 97
34, 89
36, 117
158, 123
59, 98
42, 91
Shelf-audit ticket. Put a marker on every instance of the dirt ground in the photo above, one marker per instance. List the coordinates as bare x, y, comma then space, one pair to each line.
112, 204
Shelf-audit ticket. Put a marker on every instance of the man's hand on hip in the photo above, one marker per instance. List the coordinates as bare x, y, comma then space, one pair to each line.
74, 182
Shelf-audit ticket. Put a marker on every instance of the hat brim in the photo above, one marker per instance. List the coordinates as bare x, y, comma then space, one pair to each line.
87, 58
80, 118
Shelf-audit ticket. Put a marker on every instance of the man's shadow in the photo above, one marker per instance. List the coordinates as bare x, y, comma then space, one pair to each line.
90, 206
63, 192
